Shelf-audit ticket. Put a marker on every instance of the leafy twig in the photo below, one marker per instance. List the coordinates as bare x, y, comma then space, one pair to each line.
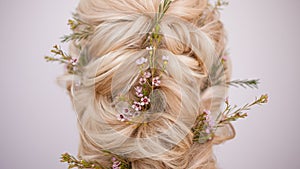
232, 113
220, 4
72, 63
80, 34
76, 36
244, 83
117, 162
80, 164
205, 128
124, 164
155, 36
163, 7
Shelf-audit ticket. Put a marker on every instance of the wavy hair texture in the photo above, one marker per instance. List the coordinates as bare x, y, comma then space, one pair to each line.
194, 40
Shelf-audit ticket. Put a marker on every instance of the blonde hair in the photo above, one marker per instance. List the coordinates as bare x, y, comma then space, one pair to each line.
194, 40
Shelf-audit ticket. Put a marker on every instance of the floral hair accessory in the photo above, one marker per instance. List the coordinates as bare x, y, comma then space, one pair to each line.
144, 91
147, 90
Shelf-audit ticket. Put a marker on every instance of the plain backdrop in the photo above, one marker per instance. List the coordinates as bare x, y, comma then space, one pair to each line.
37, 122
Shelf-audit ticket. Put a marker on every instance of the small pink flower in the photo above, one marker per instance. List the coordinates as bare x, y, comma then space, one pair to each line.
165, 58
145, 101
149, 48
135, 114
207, 112
207, 115
147, 75
138, 89
139, 94
136, 106
209, 120
113, 159
224, 58
211, 123
156, 81
141, 61
116, 163
77, 83
143, 80
125, 111
74, 61
227, 100
121, 117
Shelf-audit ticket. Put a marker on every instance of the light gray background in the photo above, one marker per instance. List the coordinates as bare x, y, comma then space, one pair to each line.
37, 122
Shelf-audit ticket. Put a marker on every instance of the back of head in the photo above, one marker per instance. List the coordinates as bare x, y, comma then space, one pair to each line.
148, 70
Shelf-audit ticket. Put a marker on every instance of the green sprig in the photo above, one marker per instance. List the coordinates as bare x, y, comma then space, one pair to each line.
73, 162
220, 4
163, 7
230, 114
233, 113
64, 58
125, 164
76, 36
72, 64
80, 164
200, 135
80, 34
155, 36
244, 83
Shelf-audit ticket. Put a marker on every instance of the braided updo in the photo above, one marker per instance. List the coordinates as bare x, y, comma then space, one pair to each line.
193, 39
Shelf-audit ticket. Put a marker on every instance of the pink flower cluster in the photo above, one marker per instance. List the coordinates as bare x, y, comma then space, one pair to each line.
116, 163
127, 114
224, 58
147, 82
139, 91
141, 61
74, 61
210, 123
123, 116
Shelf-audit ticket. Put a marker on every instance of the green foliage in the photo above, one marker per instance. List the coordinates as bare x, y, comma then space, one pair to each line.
220, 4
73, 162
61, 57
80, 164
244, 83
233, 113
199, 130
81, 30
230, 114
